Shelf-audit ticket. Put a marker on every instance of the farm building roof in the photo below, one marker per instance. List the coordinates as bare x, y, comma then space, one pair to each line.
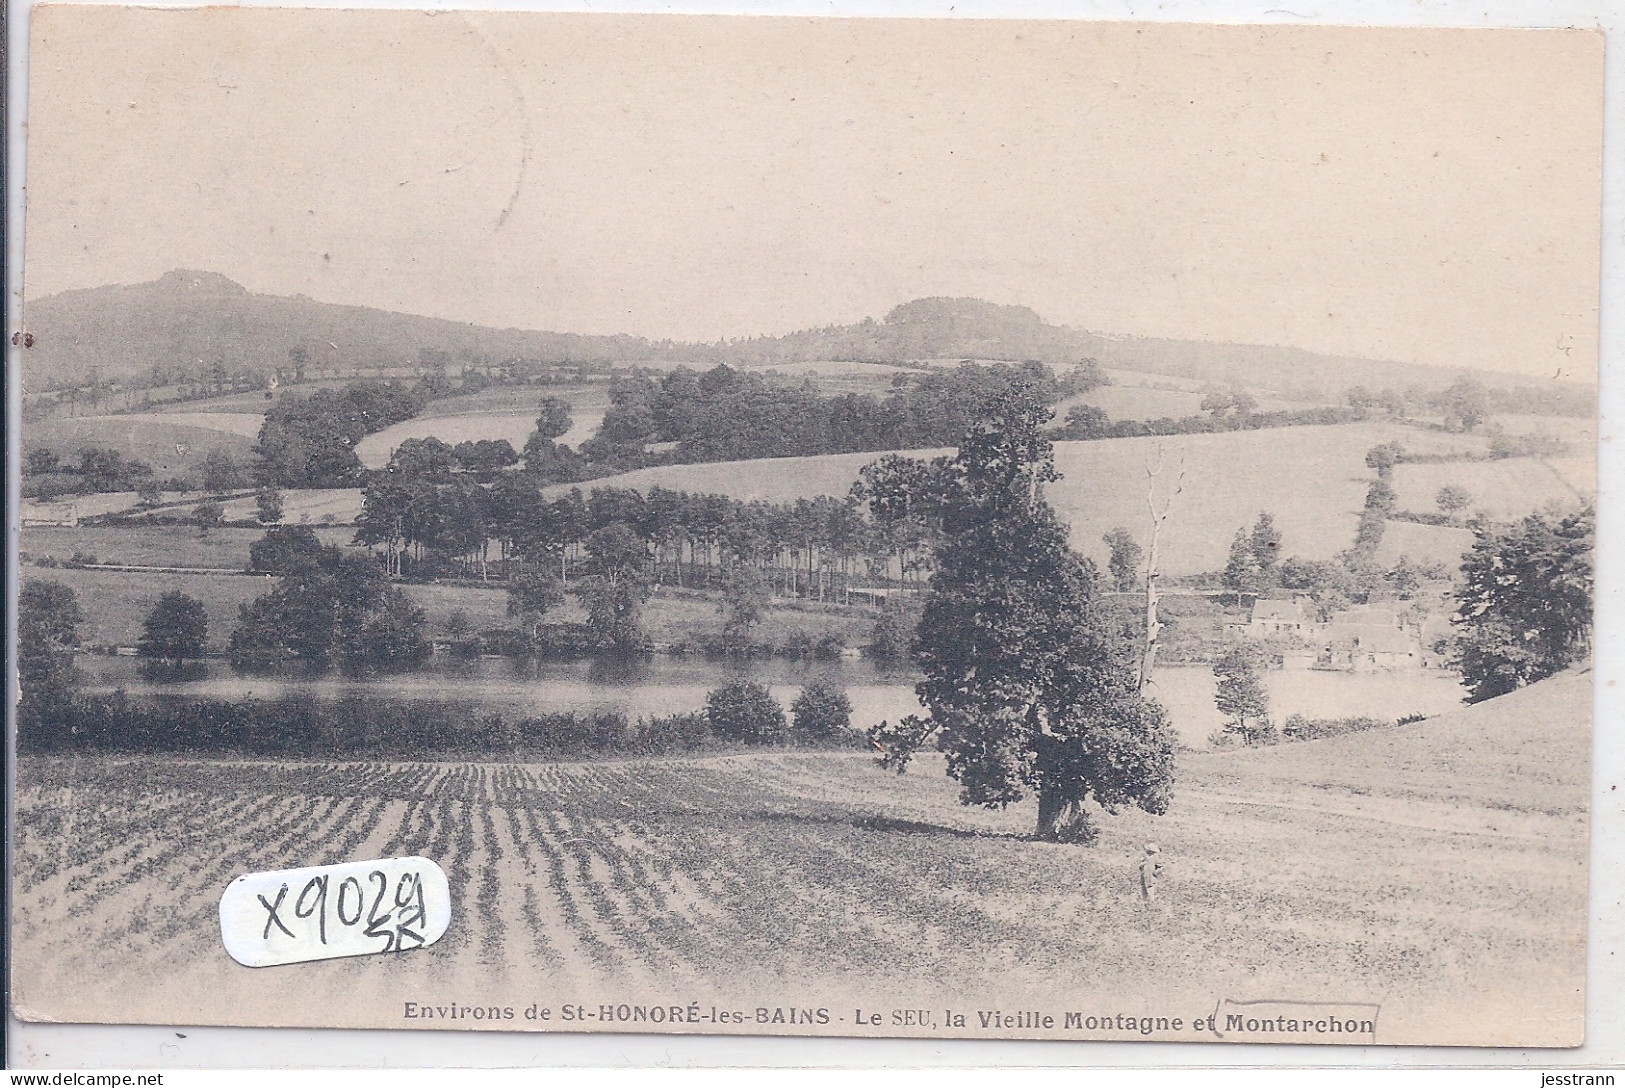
1265, 609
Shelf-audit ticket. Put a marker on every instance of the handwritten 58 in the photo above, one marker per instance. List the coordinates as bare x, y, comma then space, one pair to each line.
327, 911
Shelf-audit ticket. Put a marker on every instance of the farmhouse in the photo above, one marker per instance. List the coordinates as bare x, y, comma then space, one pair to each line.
1274, 617
1368, 647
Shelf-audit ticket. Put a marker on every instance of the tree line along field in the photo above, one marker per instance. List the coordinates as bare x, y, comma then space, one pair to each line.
1436, 869
118, 603
1313, 479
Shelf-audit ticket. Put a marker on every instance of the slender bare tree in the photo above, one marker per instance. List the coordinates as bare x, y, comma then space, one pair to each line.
1159, 515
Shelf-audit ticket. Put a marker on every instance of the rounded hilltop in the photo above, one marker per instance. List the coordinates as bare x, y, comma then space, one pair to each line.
195, 282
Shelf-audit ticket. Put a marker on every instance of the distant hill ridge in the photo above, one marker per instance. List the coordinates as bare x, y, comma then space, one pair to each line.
186, 322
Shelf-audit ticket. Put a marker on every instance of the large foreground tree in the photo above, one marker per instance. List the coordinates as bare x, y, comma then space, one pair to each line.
1029, 686
1523, 611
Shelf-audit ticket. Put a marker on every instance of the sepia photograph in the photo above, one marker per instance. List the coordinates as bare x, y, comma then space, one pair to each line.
752, 525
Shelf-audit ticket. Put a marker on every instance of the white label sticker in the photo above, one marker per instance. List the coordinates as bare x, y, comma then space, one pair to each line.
327, 911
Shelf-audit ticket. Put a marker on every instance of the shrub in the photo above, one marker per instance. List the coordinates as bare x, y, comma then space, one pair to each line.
894, 633
1298, 727
798, 643
392, 638
556, 641
494, 733
571, 734
743, 710
722, 649
830, 646
820, 711
674, 733
285, 550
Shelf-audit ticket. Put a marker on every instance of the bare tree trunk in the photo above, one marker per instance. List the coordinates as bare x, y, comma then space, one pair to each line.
1148, 654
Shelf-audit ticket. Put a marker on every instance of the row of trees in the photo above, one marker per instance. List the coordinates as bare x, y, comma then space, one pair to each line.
54, 715
725, 414
99, 470
429, 518
1464, 404
1258, 566
1226, 412
96, 470
330, 607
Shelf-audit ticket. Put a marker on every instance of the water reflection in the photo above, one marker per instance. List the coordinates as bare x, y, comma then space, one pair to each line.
647, 687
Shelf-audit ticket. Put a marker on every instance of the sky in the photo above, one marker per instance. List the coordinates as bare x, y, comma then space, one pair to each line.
1421, 195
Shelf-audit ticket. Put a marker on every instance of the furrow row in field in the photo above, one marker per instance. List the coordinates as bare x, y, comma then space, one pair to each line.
350, 828
184, 926
790, 909
687, 918
589, 873
644, 916
411, 833
540, 954
373, 831
452, 847
578, 931
460, 783
118, 903
495, 917
185, 912
912, 914
196, 817
308, 841
57, 833
186, 909
84, 877
721, 880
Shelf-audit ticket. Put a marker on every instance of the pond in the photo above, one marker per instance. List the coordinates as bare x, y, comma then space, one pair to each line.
668, 685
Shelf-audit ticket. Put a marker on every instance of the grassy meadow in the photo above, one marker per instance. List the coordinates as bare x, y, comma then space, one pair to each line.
154, 545
1501, 489
116, 603
1436, 869
151, 437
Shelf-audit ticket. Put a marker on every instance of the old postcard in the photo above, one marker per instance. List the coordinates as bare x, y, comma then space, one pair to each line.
858, 527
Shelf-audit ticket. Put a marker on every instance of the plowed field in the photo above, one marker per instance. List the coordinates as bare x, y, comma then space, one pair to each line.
1437, 870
